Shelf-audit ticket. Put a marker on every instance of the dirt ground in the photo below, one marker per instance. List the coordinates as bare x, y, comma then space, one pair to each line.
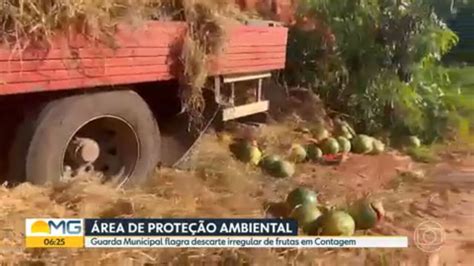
412, 193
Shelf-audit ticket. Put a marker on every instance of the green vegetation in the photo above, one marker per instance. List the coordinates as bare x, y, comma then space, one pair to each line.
379, 61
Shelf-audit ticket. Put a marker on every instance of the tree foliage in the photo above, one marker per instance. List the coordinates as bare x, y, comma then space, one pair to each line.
379, 61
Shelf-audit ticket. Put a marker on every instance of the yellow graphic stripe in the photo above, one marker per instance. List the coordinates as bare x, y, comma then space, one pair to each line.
54, 242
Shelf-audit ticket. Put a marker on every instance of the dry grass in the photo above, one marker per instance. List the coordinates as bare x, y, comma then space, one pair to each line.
32, 22
219, 186
209, 191
206, 36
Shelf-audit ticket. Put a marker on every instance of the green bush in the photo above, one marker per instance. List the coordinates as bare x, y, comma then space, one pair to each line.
384, 67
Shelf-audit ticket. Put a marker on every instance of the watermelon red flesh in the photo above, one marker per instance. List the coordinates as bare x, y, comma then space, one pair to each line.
378, 208
378, 213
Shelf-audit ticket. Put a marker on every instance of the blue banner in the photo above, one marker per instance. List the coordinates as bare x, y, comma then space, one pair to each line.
190, 227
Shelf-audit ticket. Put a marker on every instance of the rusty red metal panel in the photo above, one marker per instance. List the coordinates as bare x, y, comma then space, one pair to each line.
149, 53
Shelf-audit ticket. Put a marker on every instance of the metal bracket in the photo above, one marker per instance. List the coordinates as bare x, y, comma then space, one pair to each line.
265, 23
244, 110
231, 111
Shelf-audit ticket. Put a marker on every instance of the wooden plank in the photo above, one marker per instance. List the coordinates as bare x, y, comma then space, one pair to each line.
252, 62
61, 74
147, 35
238, 65
256, 49
81, 83
155, 34
89, 53
53, 75
263, 42
231, 113
143, 55
275, 36
245, 77
83, 53
58, 69
247, 69
154, 38
85, 83
64, 64
159, 34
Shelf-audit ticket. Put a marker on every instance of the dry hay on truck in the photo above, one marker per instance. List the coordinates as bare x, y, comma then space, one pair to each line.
35, 23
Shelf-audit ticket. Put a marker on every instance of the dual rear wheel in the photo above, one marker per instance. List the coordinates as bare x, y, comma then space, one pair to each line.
112, 134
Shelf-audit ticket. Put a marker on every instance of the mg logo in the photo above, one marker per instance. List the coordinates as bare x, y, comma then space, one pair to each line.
72, 227
54, 227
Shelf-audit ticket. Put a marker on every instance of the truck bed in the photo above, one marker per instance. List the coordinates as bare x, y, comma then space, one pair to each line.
150, 53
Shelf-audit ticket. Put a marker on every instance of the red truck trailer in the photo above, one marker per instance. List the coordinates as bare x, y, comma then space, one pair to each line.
81, 106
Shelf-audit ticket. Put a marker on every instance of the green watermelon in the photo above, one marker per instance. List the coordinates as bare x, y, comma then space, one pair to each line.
344, 144
302, 196
362, 144
349, 129
277, 210
344, 131
313, 228
378, 147
283, 169
303, 130
365, 213
347, 135
305, 214
269, 162
313, 152
247, 152
297, 153
336, 223
413, 142
319, 132
330, 146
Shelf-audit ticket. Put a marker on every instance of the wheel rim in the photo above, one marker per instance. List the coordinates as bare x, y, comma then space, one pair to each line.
105, 145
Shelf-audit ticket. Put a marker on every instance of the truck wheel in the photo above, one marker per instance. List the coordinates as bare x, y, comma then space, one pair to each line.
110, 133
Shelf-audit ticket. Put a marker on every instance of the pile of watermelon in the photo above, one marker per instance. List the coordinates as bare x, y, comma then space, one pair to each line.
329, 146
323, 146
317, 219
248, 151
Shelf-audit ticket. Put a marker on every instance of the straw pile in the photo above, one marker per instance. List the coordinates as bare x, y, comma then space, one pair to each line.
33, 22
206, 37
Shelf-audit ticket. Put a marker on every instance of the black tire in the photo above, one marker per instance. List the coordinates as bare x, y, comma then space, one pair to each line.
38, 150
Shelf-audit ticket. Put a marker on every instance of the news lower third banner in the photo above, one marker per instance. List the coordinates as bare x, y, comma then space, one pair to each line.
188, 233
